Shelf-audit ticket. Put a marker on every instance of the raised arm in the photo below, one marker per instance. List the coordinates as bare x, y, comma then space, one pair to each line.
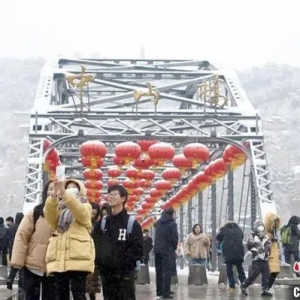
82, 212
51, 211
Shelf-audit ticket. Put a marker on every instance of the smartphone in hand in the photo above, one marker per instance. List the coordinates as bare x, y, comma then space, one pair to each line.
61, 173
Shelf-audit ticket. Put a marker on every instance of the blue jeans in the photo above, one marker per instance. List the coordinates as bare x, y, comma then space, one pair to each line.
240, 273
197, 261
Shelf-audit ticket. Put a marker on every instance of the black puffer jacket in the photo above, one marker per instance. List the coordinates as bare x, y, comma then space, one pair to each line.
166, 235
12, 230
295, 234
231, 239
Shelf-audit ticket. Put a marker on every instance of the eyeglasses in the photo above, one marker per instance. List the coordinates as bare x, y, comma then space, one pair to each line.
114, 195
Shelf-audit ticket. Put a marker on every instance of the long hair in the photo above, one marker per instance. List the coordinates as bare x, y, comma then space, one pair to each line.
39, 209
194, 227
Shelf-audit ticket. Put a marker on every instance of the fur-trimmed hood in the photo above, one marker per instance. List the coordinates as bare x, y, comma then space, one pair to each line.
271, 222
82, 189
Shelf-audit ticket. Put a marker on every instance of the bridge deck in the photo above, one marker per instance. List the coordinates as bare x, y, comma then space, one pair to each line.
183, 292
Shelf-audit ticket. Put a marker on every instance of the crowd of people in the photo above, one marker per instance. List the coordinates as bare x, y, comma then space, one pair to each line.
66, 245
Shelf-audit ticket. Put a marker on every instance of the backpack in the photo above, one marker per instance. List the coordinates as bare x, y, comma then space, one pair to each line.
286, 234
130, 223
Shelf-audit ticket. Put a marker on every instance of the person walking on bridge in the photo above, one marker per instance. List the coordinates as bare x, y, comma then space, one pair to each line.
272, 224
165, 245
231, 238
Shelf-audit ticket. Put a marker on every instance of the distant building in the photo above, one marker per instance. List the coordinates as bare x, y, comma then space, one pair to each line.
142, 52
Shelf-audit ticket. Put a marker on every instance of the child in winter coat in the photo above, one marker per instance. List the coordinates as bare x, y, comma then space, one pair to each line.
260, 247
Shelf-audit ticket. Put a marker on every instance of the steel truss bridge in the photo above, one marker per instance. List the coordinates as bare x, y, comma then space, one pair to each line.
173, 101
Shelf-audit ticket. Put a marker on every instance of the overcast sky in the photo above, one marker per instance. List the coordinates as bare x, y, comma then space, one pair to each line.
231, 33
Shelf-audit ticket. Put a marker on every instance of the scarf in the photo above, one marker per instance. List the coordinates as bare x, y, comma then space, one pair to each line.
66, 217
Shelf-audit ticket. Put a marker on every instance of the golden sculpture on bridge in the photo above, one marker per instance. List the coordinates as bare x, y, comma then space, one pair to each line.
209, 92
80, 81
144, 93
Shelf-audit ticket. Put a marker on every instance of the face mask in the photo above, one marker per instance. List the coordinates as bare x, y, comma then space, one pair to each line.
73, 190
261, 228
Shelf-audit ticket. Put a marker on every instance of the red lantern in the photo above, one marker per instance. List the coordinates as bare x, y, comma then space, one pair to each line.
46, 145
154, 193
132, 199
92, 162
161, 152
196, 152
118, 161
132, 173
53, 156
166, 205
143, 183
129, 207
147, 205
92, 174
182, 163
114, 171
148, 175
234, 156
138, 191
202, 180
217, 168
128, 151
171, 174
163, 185
146, 144
93, 193
98, 185
128, 184
93, 149
149, 199
112, 181
142, 211
143, 162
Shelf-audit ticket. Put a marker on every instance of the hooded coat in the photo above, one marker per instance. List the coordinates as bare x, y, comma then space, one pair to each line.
231, 237
258, 243
166, 235
272, 226
73, 249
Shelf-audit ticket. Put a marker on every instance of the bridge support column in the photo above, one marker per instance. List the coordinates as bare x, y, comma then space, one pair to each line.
181, 231
190, 216
200, 209
253, 198
214, 226
230, 197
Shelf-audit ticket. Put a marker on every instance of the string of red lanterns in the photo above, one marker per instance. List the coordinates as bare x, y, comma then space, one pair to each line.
92, 155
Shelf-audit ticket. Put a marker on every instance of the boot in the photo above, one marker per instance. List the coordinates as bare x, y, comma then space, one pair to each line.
266, 293
9, 284
244, 290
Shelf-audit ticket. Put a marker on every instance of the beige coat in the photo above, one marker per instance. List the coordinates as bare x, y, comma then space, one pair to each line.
72, 250
196, 246
270, 226
30, 245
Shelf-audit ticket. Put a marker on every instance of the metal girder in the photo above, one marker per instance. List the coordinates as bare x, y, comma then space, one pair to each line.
180, 117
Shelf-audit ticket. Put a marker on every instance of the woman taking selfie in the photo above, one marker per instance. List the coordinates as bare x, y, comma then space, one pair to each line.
71, 252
